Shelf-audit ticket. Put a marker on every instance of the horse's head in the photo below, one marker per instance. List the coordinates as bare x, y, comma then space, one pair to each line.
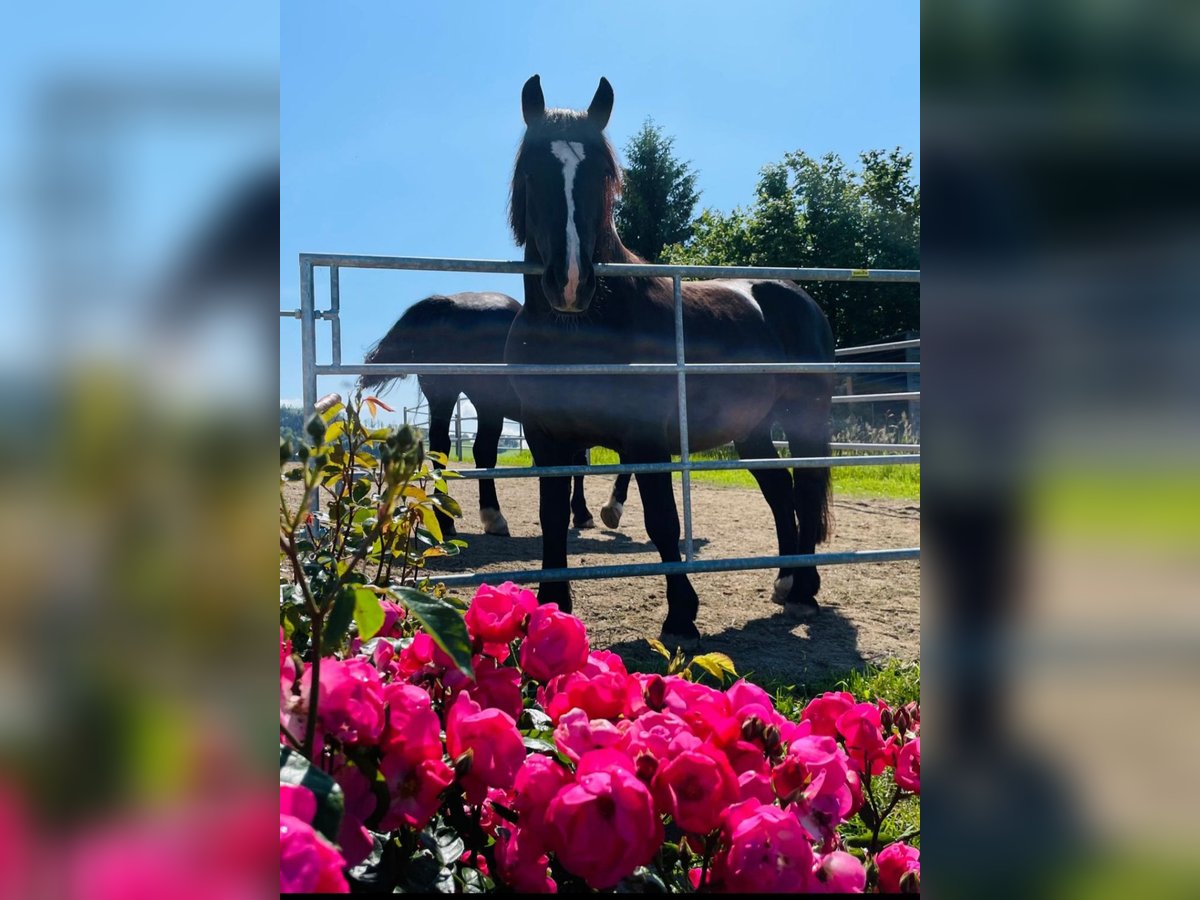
563, 188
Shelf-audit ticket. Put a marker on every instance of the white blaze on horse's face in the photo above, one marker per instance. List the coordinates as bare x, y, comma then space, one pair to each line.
570, 154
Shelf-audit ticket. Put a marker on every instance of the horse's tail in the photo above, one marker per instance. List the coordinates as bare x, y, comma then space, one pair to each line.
825, 475
394, 347
805, 336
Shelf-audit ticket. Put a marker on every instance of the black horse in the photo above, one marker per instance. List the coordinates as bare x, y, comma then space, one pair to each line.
565, 180
471, 328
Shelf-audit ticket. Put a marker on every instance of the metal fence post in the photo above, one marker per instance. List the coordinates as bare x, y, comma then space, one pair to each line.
458, 426
335, 314
684, 456
308, 338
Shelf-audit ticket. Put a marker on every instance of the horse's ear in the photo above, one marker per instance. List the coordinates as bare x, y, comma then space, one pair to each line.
602, 103
533, 104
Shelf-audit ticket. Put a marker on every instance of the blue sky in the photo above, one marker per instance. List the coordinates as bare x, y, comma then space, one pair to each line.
399, 121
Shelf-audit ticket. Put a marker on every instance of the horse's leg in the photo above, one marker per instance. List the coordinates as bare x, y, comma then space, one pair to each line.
486, 448
581, 517
776, 487
662, 525
808, 435
441, 410
612, 511
554, 514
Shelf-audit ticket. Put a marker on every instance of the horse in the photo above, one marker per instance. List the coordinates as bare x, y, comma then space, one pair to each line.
471, 328
565, 181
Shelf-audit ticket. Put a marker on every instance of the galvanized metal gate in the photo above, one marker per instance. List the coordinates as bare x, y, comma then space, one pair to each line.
308, 315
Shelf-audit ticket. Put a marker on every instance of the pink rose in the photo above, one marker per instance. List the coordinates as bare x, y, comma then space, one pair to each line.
491, 736
705, 709
908, 766
695, 787
350, 701
557, 644
307, 862
522, 863
895, 861
839, 873
577, 735
865, 746
415, 790
745, 757
652, 733
813, 775
601, 695
360, 803
424, 657
767, 851
604, 825
495, 686
497, 614
537, 781
413, 728
824, 711
393, 615
755, 786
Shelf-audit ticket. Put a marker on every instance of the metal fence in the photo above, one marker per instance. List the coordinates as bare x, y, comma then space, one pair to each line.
308, 315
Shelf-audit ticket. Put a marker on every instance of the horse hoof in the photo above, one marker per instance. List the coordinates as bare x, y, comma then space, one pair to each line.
685, 636
801, 610
494, 522
589, 522
611, 514
783, 587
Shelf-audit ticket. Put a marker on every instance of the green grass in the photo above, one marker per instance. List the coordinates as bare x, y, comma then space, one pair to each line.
893, 482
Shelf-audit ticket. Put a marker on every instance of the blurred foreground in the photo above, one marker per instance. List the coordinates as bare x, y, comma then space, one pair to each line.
139, 232
1060, 506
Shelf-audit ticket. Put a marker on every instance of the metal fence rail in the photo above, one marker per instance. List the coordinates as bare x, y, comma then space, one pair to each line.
309, 314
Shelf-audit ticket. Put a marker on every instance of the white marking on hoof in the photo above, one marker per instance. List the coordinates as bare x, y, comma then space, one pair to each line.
783, 587
611, 513
587, 523
494, 522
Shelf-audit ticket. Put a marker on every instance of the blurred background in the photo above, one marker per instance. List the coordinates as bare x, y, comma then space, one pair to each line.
139, 161
1061, 641
139, 243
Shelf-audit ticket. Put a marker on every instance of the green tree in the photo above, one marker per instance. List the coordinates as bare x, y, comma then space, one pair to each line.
659, 194
820, 212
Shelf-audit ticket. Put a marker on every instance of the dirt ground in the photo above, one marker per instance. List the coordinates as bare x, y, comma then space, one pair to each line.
869, 612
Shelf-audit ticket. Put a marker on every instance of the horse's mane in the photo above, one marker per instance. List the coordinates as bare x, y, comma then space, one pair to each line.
568, 125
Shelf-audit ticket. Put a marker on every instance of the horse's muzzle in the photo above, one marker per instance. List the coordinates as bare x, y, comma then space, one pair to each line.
564, 297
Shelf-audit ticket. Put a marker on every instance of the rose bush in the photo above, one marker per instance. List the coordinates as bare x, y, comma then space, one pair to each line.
552, 767
431, 744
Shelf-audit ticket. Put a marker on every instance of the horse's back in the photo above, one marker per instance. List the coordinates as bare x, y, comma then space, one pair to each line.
468, 327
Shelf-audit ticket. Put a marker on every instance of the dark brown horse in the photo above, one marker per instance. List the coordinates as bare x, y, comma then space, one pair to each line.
470, 328
565, 181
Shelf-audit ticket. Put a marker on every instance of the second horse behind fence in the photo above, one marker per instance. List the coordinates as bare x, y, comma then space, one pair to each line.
472, 327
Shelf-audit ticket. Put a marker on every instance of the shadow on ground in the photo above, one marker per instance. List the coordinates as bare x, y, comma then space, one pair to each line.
771, 648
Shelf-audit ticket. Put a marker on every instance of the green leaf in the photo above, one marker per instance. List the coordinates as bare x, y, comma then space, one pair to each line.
448, 504
429, 517
535, 720
442, 621
368, 613
334, 431
340, 617
295, 769
659, 648
715, 664
445, 843
330, 414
